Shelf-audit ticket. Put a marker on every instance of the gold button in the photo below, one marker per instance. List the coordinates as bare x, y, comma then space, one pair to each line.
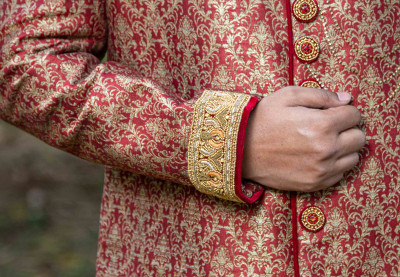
310, 83
306, 49
305, 10
312, 219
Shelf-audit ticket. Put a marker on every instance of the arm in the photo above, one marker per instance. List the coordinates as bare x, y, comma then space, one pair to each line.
53, 86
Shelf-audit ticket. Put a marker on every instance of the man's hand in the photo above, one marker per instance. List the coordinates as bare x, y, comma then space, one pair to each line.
302, 139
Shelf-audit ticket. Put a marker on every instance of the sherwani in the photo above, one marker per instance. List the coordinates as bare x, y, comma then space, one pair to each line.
167, 115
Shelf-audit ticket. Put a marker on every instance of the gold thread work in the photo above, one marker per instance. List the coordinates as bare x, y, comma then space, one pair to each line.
305, 15
310, 84
306, 49
313, 218
213, 143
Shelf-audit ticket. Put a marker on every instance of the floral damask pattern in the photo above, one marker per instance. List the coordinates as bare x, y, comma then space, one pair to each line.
358, 41
134, 114
190, 234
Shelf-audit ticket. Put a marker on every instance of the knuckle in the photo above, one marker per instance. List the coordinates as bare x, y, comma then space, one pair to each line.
359, 138
309, 187
354, 113
320, 173
325, 150
363, 138
334, 180
357, 114
324, 126
321, 124
326, 96
355, 159
313, 186
321, 181
317, 175
290, 91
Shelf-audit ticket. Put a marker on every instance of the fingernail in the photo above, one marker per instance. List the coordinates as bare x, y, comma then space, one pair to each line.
344, 96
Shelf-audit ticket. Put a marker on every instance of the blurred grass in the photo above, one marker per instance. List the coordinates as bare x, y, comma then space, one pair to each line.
49, 209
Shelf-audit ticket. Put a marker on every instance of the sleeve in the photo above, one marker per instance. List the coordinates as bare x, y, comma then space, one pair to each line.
53, 86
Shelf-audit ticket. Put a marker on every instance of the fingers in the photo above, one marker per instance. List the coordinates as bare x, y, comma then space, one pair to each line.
315, 98
333, 180
347, 157
343, 118
347, 162
350, 141
342, 165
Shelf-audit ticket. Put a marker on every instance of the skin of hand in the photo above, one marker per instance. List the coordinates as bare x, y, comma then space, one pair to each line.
302, 139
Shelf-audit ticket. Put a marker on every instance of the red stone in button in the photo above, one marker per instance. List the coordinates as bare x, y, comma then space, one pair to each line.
312, 219
306, 49
305, 10
310, 83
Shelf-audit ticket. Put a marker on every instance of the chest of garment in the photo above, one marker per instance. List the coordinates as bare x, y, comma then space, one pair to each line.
257, 47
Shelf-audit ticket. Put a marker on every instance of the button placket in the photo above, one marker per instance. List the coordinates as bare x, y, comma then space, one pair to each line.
306, 48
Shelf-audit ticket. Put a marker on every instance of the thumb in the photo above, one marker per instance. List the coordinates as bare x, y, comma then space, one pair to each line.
319, 98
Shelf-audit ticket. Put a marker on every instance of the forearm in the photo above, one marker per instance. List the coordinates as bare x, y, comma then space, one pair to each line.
53, 86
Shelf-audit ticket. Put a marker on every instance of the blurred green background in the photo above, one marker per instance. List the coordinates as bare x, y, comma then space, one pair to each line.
49, 209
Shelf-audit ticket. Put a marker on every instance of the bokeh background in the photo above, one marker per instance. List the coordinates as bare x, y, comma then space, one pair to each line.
49, 209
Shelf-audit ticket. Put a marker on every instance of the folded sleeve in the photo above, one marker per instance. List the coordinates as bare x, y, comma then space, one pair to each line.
53, 86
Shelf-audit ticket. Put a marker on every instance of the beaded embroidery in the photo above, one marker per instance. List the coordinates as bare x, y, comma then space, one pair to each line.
213, 143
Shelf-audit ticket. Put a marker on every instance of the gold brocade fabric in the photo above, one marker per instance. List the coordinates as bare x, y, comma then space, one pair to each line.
361, 234
212, 143
134, 114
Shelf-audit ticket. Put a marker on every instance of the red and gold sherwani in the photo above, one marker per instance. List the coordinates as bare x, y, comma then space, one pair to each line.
167, 114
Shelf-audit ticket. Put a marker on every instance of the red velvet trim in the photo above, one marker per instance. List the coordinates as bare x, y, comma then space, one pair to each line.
293, 198
239, 154
293, 205
291, 42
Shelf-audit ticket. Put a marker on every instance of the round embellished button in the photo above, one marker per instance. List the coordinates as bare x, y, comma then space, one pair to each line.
310, 83
305, 10
306, 49
312, 219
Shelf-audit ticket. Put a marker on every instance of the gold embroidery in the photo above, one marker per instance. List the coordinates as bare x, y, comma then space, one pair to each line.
310, 84
212, 143
313, 219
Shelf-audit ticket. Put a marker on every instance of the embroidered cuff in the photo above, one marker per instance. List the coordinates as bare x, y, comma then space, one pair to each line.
216, 145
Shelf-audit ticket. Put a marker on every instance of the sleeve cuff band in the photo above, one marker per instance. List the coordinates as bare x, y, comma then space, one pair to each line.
212, 155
